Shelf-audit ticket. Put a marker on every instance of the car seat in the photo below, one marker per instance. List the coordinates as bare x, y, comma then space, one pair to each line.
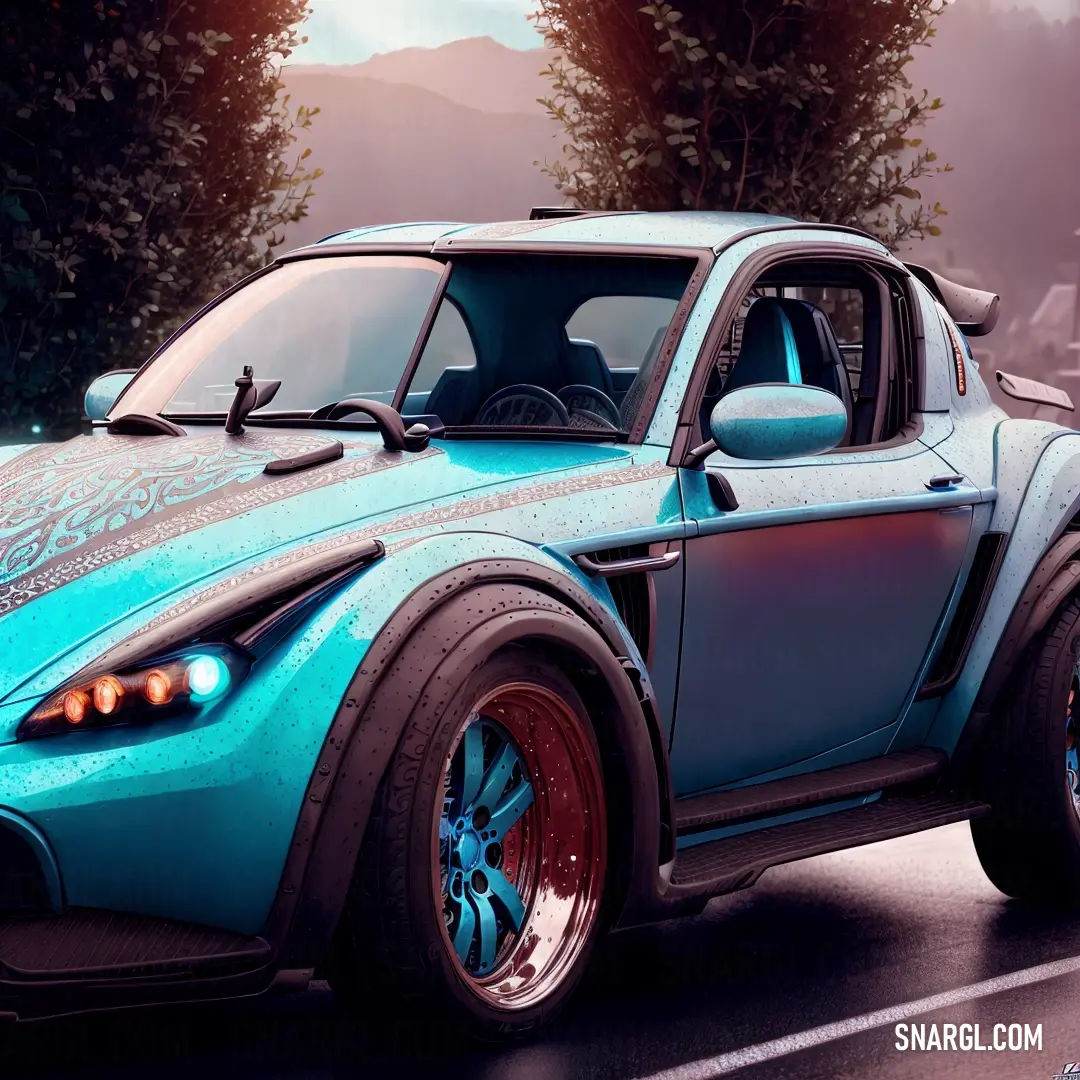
769, 353
584, 365
820, 358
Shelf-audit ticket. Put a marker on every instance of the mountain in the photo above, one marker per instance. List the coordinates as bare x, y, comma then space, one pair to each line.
453, 132
393, 152
348, 31
477, 72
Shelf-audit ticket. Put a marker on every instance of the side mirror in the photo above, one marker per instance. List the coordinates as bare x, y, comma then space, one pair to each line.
103, 392
774, 421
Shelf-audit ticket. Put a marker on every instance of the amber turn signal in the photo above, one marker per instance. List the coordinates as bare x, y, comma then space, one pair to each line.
76, 706
107, 695
158, 688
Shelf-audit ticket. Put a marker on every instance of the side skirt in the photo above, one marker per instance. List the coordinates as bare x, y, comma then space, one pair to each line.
904, 787
739, 805
736, 862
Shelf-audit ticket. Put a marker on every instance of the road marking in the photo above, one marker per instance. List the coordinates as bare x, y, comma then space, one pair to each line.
723, 1064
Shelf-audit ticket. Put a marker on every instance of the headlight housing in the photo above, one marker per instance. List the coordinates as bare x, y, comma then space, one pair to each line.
164, 686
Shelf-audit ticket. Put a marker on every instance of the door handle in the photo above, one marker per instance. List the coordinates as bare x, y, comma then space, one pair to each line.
642, 565
943, 483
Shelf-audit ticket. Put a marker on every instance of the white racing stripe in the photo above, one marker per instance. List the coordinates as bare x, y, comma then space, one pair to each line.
723, 1064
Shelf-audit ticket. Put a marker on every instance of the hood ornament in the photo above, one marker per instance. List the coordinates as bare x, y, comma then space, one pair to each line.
249, 397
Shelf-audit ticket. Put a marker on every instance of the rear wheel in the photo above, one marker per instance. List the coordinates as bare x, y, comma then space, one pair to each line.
1029, 845
479, 889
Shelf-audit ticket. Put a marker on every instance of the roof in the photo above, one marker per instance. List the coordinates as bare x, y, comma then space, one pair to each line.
679, 229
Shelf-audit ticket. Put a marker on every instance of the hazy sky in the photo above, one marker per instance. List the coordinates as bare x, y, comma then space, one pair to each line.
350, 31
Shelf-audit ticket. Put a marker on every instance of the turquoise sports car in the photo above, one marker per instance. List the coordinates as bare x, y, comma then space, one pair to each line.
444, 596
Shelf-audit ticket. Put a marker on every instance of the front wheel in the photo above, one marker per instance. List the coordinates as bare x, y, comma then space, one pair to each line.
479, 890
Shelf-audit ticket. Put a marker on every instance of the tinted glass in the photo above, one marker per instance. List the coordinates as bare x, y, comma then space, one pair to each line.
625, 327
546, 340
449, 346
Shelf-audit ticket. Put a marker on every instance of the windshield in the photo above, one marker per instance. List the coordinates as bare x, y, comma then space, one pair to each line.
517, 341
326, 328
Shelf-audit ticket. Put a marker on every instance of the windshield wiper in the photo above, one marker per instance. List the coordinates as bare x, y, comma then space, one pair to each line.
388, 421
137, 424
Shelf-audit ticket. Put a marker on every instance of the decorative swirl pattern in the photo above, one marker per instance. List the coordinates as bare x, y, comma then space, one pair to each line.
165, 527
463, 510
130, 494
54, 499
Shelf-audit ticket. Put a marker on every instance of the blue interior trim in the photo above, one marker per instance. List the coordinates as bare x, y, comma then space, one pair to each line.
794, 367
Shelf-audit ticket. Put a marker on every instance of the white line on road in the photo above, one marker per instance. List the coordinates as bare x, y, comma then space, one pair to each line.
723, 1064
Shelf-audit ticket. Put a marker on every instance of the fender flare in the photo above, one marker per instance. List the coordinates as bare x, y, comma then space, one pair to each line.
1052, 583
354, 758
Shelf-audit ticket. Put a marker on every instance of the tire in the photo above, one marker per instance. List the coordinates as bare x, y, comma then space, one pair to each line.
490, 818
1029, 845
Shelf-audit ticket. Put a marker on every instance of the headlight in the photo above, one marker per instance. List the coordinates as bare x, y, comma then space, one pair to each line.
166, 686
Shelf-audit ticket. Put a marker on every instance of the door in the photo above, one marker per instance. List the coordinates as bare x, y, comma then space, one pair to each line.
810, 609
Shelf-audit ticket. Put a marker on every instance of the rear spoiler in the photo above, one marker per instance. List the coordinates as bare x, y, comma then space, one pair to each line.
975, 312
1038, 392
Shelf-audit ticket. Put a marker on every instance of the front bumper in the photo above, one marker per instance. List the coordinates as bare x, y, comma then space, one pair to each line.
29, 877
55, 961
186, 819
85, 960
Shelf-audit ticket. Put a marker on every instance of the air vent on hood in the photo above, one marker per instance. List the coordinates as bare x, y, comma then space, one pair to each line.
333, 451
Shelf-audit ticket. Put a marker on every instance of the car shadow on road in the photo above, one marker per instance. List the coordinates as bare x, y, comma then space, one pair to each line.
752, 967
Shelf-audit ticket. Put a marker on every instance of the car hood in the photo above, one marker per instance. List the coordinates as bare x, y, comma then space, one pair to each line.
96, 529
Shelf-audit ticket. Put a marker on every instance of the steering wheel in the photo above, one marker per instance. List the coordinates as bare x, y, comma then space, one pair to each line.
523, 405
582, 398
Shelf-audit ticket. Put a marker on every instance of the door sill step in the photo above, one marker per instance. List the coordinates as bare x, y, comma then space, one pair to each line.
738, 861
705, 812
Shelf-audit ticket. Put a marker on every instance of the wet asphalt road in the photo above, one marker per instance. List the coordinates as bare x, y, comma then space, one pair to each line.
816, 942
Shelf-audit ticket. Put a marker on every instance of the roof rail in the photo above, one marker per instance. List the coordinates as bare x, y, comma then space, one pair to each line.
547, 213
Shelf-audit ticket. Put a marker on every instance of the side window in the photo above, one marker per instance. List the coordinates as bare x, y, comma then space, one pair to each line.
821, 324
626, 328
450, 346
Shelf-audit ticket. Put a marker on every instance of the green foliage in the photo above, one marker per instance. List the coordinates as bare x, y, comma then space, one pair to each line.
792, 107
141, 171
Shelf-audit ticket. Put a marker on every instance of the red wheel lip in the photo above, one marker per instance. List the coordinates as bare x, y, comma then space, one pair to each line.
537, 963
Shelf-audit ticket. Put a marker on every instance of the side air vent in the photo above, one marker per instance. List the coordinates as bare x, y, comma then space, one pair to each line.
969, 611
632, 595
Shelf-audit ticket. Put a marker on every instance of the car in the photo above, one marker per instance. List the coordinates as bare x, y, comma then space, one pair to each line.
443, 597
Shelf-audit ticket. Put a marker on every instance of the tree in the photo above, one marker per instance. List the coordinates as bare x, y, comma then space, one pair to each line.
142, 170
793, 107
